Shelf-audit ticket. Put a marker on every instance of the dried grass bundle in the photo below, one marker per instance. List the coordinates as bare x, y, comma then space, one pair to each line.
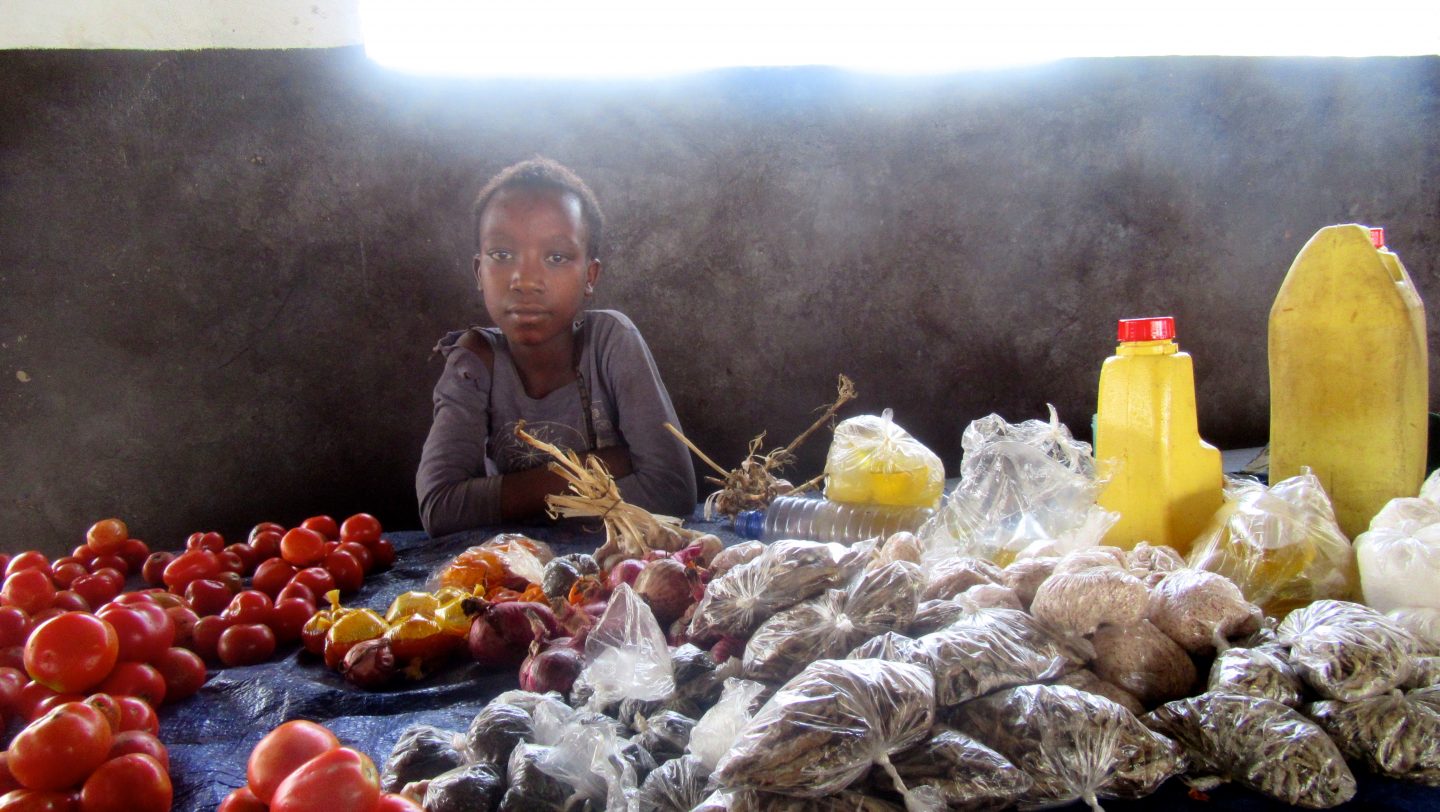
630, 531
754, 483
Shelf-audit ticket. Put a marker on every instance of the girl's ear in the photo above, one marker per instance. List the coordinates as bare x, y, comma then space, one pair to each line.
478, 283
592, 275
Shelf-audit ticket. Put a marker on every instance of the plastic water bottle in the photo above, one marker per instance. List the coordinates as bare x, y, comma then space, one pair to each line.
1349, 374
1165, 482
800, 517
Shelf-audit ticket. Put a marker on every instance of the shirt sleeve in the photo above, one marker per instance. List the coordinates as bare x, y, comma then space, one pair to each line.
663, 476
451, 484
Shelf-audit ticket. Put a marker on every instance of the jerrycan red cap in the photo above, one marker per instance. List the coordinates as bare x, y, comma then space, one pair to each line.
1160, 328
1377, 237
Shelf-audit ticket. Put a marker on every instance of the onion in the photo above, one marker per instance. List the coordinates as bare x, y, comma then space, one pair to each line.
727, 647
502, 633
553, 669
370, 664
701, 551
665, 585
624, 573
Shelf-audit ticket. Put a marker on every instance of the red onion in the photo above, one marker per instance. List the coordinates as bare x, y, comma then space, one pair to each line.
701, 551
370, 664
553, 669
624, 573
502, 633
727, 647
665, 586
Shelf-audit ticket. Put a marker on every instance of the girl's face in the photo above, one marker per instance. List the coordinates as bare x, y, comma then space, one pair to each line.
532, 266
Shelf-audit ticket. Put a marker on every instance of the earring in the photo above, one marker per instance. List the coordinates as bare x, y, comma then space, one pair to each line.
589, 288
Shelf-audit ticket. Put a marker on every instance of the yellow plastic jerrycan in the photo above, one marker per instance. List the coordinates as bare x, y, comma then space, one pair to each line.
1349, 375
1164, 481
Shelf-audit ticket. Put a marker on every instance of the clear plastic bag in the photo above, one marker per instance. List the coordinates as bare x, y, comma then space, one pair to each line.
1280, 545
1085, 680
1074, 745
991, 649
422, 752
625, 655
678, 785
508, 560
1391, 733
1263, 671
826, 727
1406, 514
946, 578
1201, 610
1399, 568
1144, 662
745, 800
1079, 602
1423, 624
872, 461
1019, 484
713, 734
953, 771
827, 627
587, 755
1430, 488
1258, 743
1347, 651
788, 572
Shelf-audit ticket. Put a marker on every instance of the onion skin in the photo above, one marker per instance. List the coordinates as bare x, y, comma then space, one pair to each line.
370, 664
553, 669
626, 572
665, 585
501, 634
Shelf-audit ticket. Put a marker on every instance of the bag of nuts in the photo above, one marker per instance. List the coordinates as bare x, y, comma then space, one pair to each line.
1347, 651
1391, 733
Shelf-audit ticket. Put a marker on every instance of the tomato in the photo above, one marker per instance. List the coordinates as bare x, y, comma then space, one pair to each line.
189, 566
289, 617
250, 606
302, 547
138, 741
348, 574
208, 596
230, 562
113, 562
106, 536
272, 575
31, 695
266, 544
210, 542
384, 553
67, 600
156, 595
108, 706
134, 782
7, 779
233, 581
391, 802
136, 714
282, 751
242, 800
184, 619
144, 629
318, 579
29, 589
11, 681
153, 570
246, 554
39, 800
60, 748
246, 644
30, 559
183, 671
71, 653
65, 574
134, 551
95, 589
339, 779
50, 703
360, 553
207, 636
294, 590
314, 632
83, 554
13, 657
324, 525
360, 527
14, 626
136, 679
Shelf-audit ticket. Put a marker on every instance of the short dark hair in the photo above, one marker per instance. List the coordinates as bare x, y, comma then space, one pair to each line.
545, 173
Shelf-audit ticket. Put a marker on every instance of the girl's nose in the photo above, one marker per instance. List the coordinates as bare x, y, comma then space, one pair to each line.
527, 277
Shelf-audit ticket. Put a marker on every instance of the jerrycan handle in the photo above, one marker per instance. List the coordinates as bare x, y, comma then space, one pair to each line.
1160, 328
1377, 238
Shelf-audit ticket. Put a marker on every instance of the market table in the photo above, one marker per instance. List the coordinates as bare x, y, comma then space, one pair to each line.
211, 734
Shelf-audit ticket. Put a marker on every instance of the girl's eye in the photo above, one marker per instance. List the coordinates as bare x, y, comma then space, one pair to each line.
499, 255
558, 259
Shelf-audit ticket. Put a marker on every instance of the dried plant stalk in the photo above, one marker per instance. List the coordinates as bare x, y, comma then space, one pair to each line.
754, 484
630, 531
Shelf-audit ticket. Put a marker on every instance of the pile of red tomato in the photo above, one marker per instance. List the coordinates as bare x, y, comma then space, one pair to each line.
301, 766
292, 571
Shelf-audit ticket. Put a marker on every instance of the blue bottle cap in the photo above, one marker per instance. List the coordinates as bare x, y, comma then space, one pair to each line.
750, 524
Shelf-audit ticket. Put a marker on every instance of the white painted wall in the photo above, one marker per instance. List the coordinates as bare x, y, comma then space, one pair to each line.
180, 24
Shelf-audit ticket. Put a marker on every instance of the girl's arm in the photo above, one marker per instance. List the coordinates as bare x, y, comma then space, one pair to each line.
662, 479
451, 483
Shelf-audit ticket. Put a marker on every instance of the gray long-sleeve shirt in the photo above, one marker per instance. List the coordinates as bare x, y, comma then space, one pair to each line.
472, 440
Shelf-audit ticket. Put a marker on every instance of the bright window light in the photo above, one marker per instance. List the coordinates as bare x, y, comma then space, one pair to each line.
616, 38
